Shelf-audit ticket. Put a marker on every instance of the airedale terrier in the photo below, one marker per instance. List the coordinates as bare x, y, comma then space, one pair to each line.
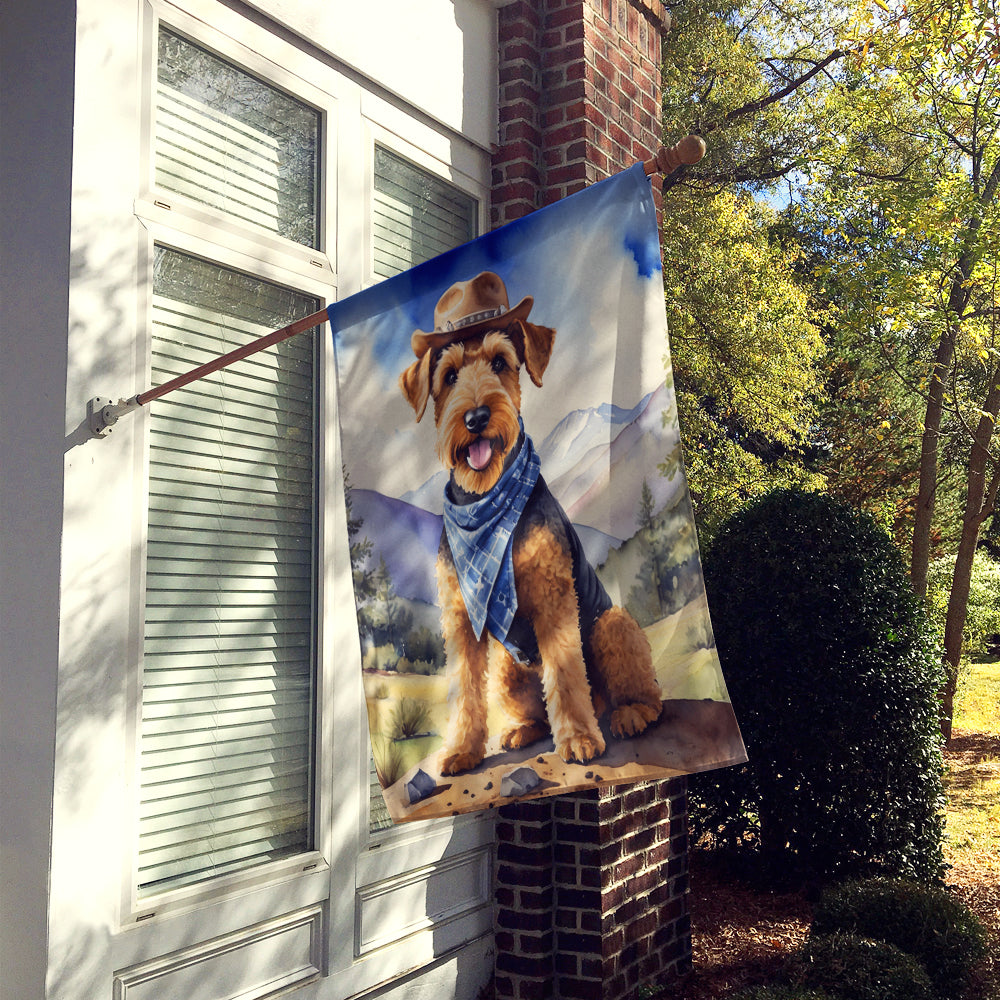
520, 604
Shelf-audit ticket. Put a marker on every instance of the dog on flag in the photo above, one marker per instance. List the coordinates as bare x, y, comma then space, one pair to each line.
526, 621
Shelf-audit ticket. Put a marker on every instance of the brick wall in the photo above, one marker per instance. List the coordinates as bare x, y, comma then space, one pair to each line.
591, 893
579, 96
591, 888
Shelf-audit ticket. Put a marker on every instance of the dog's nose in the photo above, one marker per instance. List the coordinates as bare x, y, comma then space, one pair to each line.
477, 419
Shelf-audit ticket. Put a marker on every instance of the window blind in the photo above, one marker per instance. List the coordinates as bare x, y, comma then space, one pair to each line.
416, 216
228, 653
228, 140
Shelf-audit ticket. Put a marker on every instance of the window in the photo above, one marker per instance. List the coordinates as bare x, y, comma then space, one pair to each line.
229, 646
415, 216
228, 140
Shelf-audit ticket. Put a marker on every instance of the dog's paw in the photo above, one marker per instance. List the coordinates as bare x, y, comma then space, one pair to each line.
581, 748
630, 720
456, 763
524, 735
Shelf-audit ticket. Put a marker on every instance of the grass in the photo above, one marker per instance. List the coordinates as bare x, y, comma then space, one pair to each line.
973, 810
978, 699
973, 783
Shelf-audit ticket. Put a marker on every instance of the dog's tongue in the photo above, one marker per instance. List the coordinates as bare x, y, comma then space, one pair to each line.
479, 454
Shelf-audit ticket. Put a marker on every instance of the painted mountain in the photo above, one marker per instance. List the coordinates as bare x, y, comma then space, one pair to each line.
594, 460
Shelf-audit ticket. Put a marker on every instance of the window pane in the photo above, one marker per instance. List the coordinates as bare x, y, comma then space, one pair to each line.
228, 658
417, 215
228, 140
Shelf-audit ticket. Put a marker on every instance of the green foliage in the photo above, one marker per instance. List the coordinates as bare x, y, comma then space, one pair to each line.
424, 668
924, 921
782, 992
738, 73
746, 353
668, 577
424, 645
385, 618
983, 611
856, 968
833, 673
409, 718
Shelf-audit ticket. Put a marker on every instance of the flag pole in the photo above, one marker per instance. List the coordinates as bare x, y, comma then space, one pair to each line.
103, 413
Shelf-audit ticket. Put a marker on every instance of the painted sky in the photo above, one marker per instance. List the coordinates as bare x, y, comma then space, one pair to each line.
580, 259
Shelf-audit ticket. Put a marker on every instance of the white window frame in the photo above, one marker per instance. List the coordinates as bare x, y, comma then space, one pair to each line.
180, 224
349, 871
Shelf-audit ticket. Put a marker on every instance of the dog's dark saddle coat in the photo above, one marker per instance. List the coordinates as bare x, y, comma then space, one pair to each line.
544, 511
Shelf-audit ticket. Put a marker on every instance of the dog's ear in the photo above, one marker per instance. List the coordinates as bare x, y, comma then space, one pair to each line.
534, 347
415, 382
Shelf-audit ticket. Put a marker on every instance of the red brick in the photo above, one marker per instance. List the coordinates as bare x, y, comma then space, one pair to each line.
538, 966
531, 899
518, 49
536, 944
522, 90
563, 53
520, 149
581, 989
519, 876
518, 111
572, 14
576, 941
520, 130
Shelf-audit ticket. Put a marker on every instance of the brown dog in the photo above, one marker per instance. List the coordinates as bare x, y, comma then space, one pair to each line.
568, 652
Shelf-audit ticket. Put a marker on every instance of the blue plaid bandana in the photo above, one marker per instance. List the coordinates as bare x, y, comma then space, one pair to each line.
480, 535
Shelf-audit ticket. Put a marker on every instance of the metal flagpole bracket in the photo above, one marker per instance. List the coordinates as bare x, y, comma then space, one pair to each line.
103, 413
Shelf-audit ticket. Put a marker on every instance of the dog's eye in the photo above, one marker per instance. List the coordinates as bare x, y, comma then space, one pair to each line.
498, 365
450, 376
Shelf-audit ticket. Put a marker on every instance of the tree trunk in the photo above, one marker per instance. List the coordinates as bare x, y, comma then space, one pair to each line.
979, 500
958, 300
920, 553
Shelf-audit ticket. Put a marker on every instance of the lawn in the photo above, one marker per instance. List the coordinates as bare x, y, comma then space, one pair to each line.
741, 935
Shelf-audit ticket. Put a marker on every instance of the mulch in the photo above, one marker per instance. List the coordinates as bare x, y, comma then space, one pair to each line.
742, 934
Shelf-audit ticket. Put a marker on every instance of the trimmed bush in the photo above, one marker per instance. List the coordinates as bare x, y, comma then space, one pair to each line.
856, 968
833, 672
925, 922
782, 993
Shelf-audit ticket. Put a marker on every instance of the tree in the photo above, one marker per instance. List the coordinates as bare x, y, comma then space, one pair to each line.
385, 619
745, 76
914, 185
879, 123
746, 350
746, 355
360, 549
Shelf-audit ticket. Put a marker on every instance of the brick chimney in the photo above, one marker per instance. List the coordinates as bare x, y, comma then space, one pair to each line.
591, 888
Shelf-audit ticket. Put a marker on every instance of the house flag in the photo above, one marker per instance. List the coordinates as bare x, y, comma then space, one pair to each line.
530, 604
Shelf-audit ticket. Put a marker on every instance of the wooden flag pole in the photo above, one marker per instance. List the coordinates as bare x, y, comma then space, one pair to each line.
103, 413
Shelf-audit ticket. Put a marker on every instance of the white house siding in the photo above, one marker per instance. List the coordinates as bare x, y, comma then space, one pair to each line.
36, 118
408, 915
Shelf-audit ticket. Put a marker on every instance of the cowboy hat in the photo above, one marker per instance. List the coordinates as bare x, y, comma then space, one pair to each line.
468, 308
